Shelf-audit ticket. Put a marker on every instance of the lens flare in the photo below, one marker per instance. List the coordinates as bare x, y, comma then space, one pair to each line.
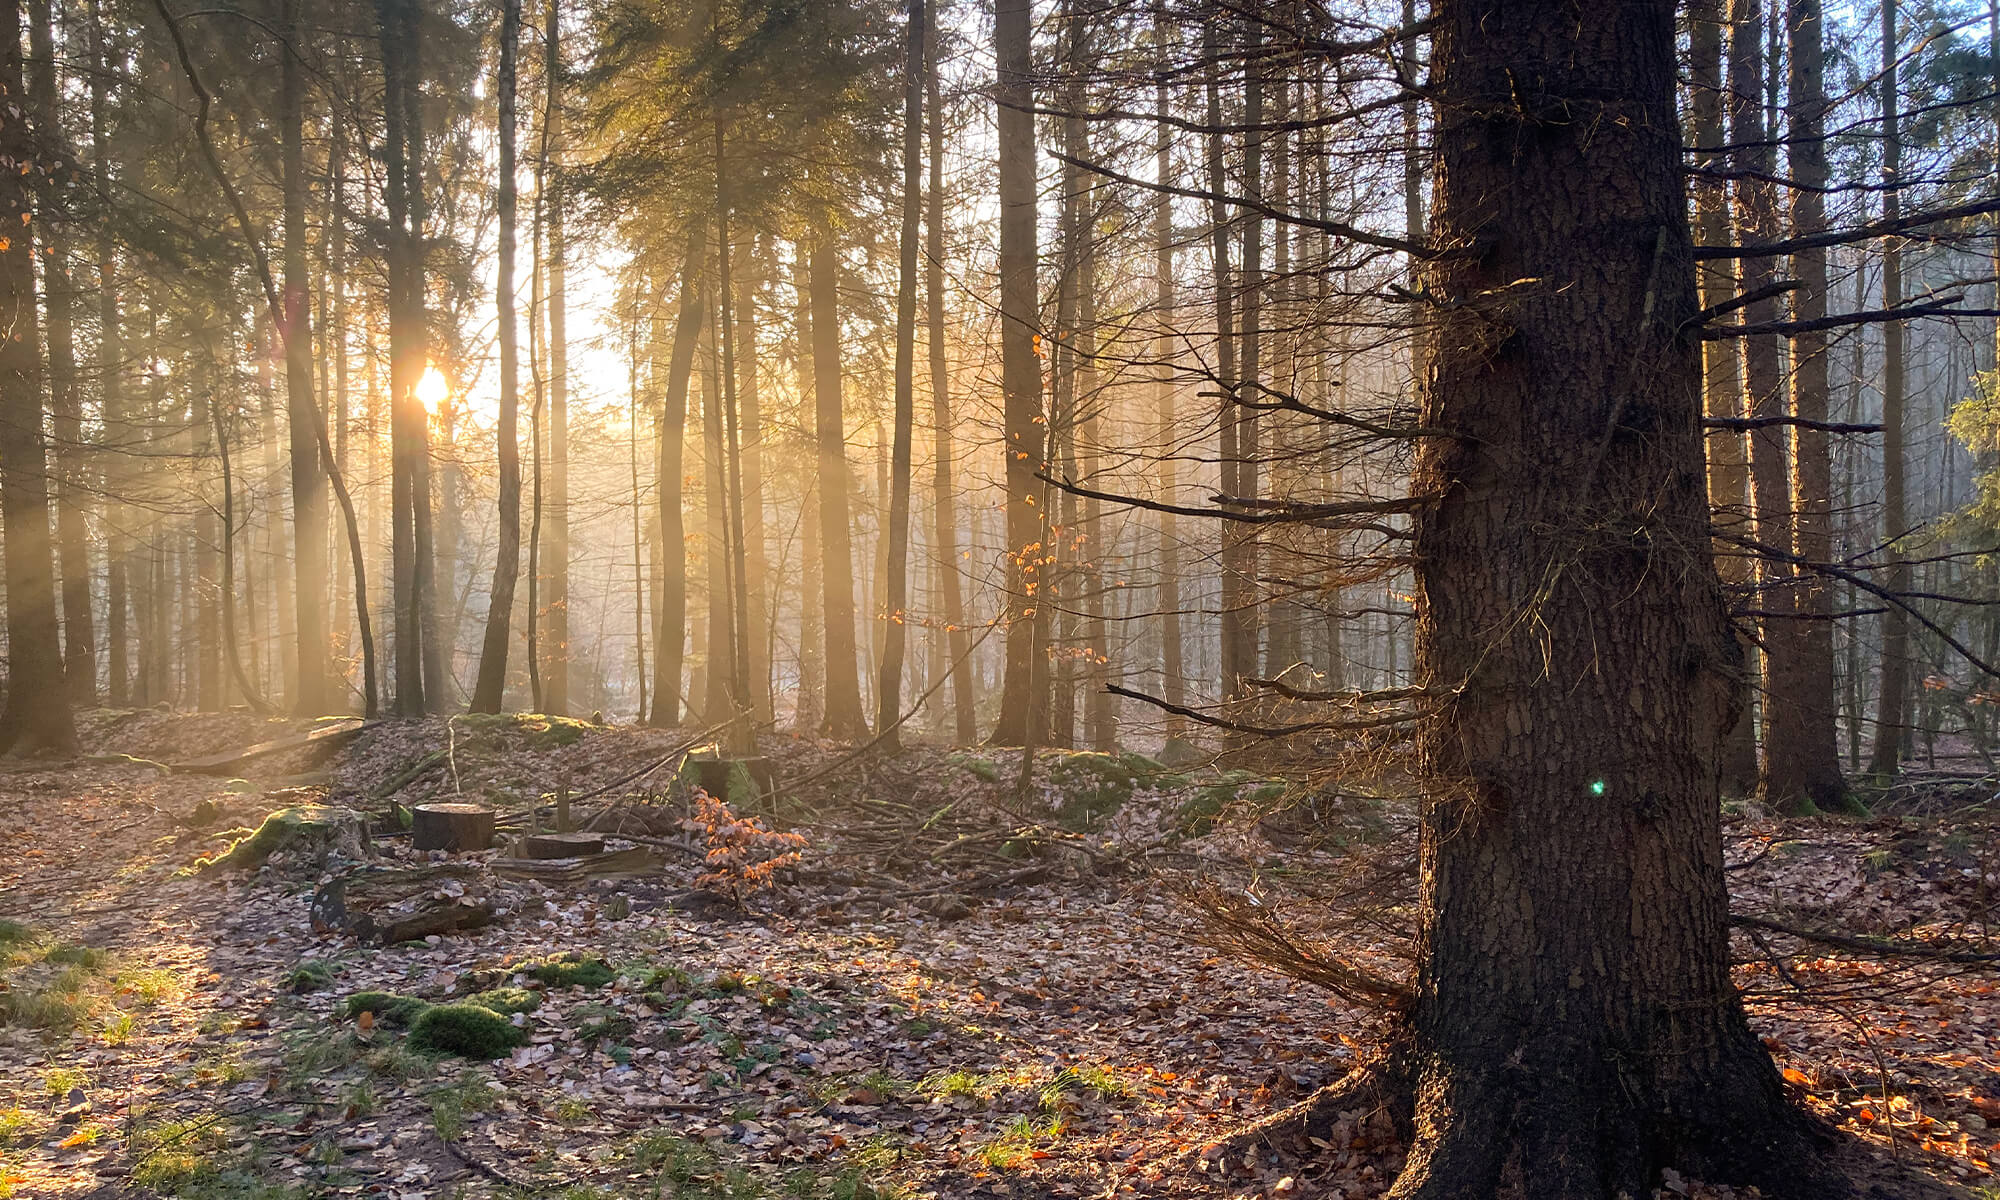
433, 390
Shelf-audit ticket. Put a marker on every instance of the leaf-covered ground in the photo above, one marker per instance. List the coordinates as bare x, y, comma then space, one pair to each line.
950, 995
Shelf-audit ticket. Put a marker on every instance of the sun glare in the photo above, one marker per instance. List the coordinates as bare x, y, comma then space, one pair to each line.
433, 390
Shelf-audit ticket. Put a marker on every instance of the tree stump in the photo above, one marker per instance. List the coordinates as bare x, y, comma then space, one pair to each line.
561, 845
455, 827
734, 781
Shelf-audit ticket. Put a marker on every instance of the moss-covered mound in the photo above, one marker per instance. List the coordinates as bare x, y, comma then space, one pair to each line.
466, 1030
507, 1000
1093, 786
388, 1007
317, 827
572, 970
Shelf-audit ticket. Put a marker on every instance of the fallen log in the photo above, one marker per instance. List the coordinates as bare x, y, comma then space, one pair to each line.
635, 860
324, 740
390, 906
561, 845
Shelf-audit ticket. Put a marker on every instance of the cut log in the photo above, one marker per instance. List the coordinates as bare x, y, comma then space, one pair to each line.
561, 845
454, 827
390, 906
634, 860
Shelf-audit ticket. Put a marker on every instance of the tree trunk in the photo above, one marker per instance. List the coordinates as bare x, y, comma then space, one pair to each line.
749, 396
1763, 372
65, 405
1022, 707
843, 717
944, 535
1173, 673
110, 355
1573, 1014
1893, 703
895, 605
406, 353
1802, 758
490, 688
36, 717
555, 554
1722, 388
1229, 641
809, 708
308, 473
670, 640
717, 701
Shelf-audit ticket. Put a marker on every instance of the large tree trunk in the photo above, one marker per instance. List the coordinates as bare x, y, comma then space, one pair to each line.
670, 638
1801, 757
308, 473
1892, 705
1573, 1014
843, 717
65, 403
409, 478
37, 712
555, 519
1023, 708
491, 685
895, 604
957, 640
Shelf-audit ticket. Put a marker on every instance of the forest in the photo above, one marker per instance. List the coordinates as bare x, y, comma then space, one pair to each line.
895, 599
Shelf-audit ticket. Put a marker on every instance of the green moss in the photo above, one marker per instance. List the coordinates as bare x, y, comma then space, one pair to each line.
539, 731
300, 824
975, 766
507, 1000
573, 970
388, 1007
312, 975
466, 1030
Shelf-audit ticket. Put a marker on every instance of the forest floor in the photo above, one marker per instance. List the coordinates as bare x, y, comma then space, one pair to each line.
947, 995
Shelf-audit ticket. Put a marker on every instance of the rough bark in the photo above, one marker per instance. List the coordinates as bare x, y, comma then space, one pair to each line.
1574, 1014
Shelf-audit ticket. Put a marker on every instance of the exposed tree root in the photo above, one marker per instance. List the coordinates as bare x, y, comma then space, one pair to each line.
1378, 1086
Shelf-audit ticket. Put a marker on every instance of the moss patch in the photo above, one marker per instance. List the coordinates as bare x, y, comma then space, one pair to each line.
1094, 786
466, 1030
507, 1000
572, 970
312, 825
388, 1007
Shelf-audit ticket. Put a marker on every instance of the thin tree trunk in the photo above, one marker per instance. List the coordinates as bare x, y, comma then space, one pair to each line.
757, 602
489, 689
1763, 372
843, 717
308, 473
1173, 672
809, 709
110, 353
1234, 601
1803, 757
669, 642
895, 606
944, 536
555, 555
1893, 702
